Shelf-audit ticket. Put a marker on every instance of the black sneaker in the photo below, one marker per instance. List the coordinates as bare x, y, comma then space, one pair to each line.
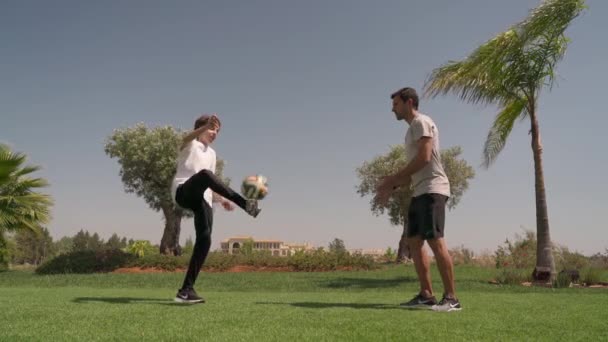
188, 296
447, 305
252, 207
420, 302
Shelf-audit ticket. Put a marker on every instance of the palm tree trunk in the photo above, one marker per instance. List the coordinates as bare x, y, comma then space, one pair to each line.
545, 266
169, 244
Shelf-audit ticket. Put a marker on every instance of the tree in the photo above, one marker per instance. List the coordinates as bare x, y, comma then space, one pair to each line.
96, 243
21, 206
337, 246
81, 241
33, 247
114, 242
64, 245
247, 247
510, 70
147, 159
370, 173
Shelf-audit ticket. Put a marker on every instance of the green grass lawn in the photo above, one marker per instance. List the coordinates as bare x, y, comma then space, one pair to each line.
324, 306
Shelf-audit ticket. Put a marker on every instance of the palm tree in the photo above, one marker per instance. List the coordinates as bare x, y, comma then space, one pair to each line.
510, 70
21, 207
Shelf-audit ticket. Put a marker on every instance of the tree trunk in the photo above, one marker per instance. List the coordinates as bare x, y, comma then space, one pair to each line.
403, 253
169, 244
545, 266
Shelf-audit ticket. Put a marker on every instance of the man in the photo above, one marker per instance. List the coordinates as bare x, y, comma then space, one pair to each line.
196, 187
426, 215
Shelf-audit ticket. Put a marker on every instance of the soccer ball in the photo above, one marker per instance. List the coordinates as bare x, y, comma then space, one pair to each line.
254, 187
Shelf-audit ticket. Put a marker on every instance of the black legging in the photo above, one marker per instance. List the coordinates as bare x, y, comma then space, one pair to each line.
190, 196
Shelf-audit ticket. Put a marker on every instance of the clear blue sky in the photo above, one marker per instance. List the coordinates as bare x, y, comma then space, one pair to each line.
302, 88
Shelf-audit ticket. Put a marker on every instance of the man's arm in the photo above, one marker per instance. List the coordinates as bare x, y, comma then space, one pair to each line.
423, 157
404, 176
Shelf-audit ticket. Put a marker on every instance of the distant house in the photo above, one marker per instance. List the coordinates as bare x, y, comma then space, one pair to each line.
233, 245
374, 253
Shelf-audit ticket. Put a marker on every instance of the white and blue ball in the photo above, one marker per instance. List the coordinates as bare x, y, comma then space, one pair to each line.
255, 187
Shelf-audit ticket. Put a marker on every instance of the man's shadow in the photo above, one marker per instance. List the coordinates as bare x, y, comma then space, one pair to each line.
321, 305
367, 283
128, 300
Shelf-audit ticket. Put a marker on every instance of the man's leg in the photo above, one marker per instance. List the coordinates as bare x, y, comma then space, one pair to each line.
422, 264
445, 266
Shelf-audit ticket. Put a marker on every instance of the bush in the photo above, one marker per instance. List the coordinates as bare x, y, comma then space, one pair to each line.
513, 276
221, 261
516, 260
562, 280
141, 248
591, 276
109, 260
485, 259
86, 262
319, 260
599, 260
462, 255
4, 253
519, 254
566, 260
161, 261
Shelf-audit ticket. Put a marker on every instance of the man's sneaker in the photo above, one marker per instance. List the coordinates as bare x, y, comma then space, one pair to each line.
188, 296
447, 304
420, 302
252, 207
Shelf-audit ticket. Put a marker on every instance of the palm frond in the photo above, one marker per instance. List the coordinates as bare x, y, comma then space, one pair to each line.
26, 170
9, 162
509, 68
503, 124
21, 206
512, 62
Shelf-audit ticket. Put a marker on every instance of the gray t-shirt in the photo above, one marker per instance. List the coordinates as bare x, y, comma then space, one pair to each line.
432, 178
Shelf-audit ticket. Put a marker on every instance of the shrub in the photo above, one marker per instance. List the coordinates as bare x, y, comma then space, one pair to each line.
519, 254
591, 276
4, 253
86, 262
141, 248
462, 255
563, 279
161, 261
221, 261
599, 260
319, 260
566, 260
513, 276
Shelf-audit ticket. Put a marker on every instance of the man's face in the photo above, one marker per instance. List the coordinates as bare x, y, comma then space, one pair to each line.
399, 108
209, 135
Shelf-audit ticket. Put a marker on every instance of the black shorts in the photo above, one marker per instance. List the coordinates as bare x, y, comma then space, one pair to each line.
426, 216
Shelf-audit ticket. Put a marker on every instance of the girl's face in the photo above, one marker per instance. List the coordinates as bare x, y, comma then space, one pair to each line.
209, 135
